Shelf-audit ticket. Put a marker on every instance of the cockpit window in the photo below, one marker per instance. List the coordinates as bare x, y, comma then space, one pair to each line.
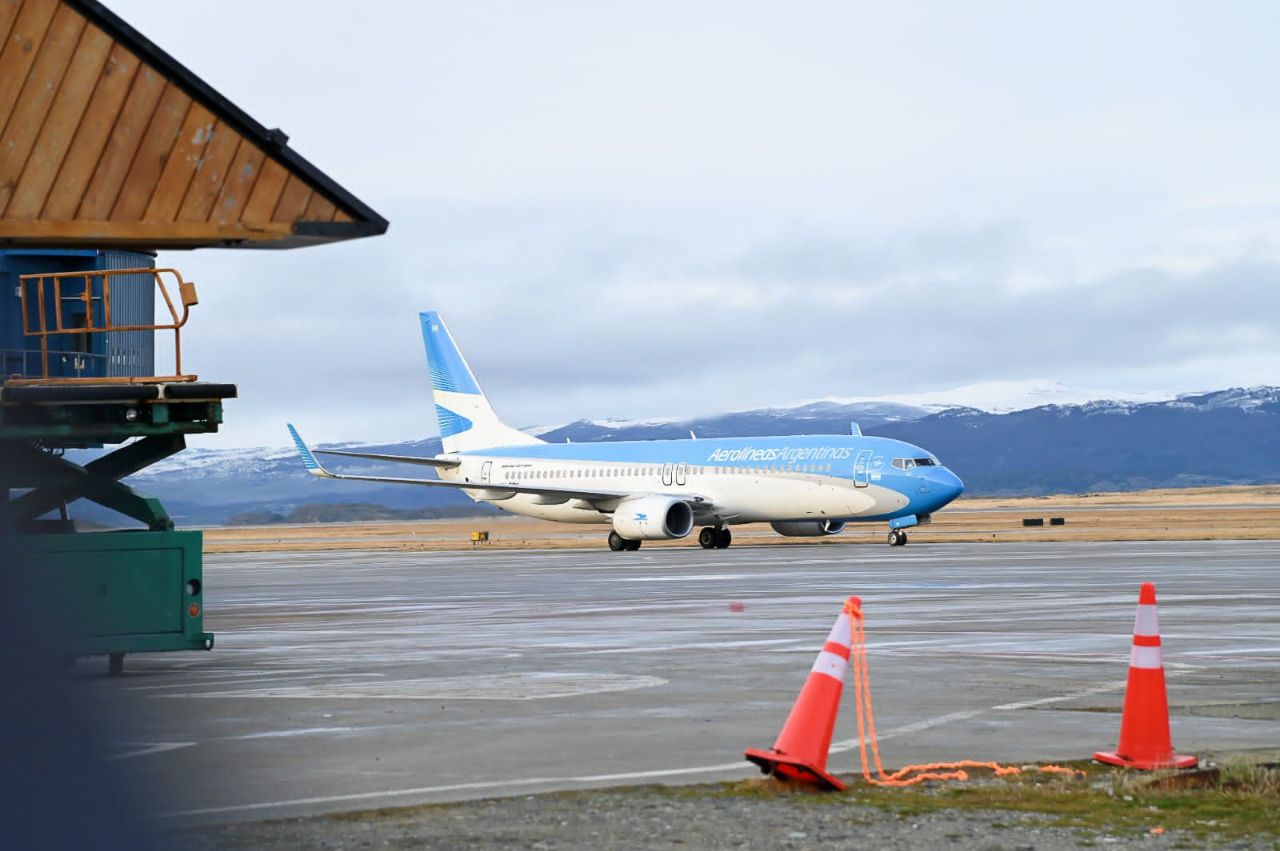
912, 463
924, 462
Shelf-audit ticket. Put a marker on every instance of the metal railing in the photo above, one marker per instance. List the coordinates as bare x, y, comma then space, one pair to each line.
45, 309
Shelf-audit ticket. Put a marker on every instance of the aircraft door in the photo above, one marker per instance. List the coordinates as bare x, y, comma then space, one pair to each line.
485, 470
668, 474
681, 469
861, 468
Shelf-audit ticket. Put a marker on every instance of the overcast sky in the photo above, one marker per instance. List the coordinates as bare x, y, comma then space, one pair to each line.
666, 209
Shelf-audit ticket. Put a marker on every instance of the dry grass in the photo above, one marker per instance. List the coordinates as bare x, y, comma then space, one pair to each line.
1231, 513
1239, 800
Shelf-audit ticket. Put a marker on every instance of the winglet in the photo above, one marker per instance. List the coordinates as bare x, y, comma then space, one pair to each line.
308, 460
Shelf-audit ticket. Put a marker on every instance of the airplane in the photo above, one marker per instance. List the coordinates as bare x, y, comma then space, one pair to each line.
646, 490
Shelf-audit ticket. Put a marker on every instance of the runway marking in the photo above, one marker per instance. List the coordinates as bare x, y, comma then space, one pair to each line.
696, 577
158, 747
965, 715
455, 787
530, 686
569, 650
244, 678
491, 785
1046, 701
306, 731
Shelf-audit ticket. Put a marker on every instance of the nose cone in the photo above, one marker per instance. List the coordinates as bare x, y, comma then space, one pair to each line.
949, 486
940, 487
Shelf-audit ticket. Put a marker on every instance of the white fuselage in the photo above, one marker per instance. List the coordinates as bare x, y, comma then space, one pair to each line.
740, 493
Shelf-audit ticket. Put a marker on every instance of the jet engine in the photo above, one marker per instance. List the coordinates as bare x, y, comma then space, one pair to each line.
808, 528
651, 518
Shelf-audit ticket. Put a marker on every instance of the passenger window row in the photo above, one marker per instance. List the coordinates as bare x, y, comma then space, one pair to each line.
596, 472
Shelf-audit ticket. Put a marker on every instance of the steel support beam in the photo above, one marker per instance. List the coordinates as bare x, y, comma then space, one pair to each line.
56, 481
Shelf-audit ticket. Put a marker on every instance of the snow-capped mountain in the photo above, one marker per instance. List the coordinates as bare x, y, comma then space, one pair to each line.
1222, 437
1004, 397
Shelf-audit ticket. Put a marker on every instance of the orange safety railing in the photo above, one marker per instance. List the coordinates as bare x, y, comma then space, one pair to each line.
44, 290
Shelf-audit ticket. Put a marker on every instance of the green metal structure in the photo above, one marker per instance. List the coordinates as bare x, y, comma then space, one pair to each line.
79, 299
118, 592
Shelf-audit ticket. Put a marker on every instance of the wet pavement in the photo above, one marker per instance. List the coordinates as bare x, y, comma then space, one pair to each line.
357, 680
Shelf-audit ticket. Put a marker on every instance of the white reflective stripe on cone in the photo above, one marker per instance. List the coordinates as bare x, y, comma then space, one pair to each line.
1145, 657
841, 633
1146, 623
830, 664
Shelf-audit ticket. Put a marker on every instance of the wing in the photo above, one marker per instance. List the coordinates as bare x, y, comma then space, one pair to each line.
399, 459
485, 491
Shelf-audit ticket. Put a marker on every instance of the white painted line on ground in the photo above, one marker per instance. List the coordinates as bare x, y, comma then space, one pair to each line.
481, 785
243, 679
965, 715
306, 731
147, 750
1063, 698
513, 686
696, 577
515, 783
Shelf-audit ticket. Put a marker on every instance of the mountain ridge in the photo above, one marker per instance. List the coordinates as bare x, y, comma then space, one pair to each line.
1221, 437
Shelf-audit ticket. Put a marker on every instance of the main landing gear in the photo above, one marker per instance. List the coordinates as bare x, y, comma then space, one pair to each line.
617, 543
713, 538
897, 538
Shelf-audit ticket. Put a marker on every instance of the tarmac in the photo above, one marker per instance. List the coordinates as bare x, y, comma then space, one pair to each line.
357, 680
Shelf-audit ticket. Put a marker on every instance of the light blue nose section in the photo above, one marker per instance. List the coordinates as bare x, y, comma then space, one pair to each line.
948, 486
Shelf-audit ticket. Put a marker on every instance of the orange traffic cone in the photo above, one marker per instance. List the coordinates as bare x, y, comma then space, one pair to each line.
1144, 727
800, 753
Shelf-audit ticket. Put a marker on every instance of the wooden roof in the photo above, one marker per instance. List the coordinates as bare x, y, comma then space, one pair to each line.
107, 141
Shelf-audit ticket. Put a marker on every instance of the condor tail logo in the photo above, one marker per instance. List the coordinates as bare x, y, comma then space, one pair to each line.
467, 421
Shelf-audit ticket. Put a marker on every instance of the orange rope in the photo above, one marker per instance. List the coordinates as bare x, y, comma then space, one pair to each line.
911, 774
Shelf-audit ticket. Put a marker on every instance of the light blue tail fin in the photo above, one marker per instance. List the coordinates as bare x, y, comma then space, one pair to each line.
467, 420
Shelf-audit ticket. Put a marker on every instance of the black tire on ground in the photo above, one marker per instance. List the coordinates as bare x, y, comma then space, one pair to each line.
707, 538
616, 542
723, 538
632, 546
893, 537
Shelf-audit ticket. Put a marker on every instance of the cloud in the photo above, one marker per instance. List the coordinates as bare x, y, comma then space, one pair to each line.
562, 316
644, 211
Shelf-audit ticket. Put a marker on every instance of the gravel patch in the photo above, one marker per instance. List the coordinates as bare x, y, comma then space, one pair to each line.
685, 817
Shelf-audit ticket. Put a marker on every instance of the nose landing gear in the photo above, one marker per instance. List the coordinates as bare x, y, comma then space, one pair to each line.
713, 538
897, 538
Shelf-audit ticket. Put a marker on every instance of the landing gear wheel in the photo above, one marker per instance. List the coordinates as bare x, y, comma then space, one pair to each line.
897, 538
617, 543
631, 546
707, 538
723, 539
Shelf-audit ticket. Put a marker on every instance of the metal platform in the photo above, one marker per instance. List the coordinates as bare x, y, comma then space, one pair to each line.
113, 592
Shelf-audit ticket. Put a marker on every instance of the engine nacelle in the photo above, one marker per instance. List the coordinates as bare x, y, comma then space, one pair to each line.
808, 528
652, 518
